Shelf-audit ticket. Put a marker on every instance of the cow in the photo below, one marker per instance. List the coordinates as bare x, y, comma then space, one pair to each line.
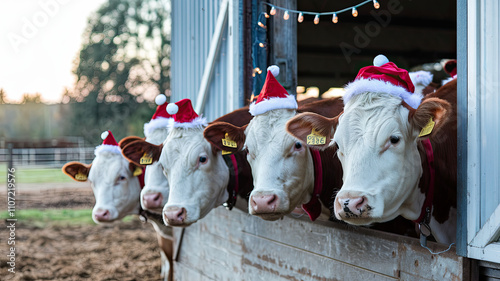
385, 146
116, 184
200, 177
285, 173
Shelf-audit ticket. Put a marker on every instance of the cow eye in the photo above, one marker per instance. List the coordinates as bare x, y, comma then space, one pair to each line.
394, 139
336, 145
298, 145
122, 178
203, 159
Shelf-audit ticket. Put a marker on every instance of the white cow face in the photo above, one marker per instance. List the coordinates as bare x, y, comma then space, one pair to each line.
377, 146
198, 177
116, 190
281, 166
154, 195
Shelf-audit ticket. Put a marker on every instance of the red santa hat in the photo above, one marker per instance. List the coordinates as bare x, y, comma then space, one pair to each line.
161, 118
273, 95
109, 144
384, 77
450, 67
184, 115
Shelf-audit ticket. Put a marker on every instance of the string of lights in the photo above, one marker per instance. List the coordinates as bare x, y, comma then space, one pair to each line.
261, 28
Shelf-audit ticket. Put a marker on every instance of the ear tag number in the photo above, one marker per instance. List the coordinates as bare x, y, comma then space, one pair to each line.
137, 171
315, 138
225, 152
146, 159
226, 141
427, 129
80, 177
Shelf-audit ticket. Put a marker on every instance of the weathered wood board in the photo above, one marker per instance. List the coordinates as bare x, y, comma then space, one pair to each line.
232, 245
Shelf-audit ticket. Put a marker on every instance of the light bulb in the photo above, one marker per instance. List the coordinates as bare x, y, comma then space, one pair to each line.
261, 45
273, 11
316, 19
301, 17
261, 24
376, 4
354, 12
266, 15
335, 19
286, 16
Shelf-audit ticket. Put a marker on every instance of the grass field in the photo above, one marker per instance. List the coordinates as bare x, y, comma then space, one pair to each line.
35, 175
46, 217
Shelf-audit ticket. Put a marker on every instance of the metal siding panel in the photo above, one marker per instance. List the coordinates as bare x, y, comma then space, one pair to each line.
193, 24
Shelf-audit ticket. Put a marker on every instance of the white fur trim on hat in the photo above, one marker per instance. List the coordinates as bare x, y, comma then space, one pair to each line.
378, 86
273, 103
107, 148
423, 78
197, 123
158, 123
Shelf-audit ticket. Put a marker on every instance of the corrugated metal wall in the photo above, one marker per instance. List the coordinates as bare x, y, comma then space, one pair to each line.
193, 24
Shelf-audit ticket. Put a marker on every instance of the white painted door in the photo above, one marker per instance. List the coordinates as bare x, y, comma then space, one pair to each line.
483, 130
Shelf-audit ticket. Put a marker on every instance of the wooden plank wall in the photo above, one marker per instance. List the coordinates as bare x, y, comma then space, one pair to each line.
232, 245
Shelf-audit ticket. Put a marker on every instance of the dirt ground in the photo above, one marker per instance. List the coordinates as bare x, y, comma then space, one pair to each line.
118, 251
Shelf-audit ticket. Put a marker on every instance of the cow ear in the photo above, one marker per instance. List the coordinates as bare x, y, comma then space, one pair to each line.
128, 140
313, 129
430, 116
141, 152
225, 136
77, 170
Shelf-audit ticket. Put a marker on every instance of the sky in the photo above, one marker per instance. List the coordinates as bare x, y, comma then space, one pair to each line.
39, 40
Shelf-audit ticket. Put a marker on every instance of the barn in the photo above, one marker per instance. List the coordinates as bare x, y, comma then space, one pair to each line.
219, 51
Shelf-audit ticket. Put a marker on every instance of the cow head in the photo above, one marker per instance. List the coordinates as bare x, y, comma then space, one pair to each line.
377, 143
196, 172
281, 165
114, 183
154, 195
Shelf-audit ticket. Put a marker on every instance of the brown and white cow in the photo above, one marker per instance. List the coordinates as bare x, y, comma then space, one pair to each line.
386, 167
200, 178
284, 171
117, 186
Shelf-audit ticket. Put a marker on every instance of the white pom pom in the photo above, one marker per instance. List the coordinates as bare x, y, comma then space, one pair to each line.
380, 60
275, 70
104, 135
172, 108
160, 99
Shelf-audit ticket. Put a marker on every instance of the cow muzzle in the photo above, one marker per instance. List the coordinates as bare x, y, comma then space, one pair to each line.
152, 201
352, 208
175, 216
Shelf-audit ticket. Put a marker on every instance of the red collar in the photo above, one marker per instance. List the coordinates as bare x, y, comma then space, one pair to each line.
233, 184
313, 207
425, 214
141, 178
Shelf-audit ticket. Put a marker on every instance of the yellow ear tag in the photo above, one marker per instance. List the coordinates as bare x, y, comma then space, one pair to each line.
80, 177
224, 152
226, 141
427, 129
146, 159
137, 171
315, 138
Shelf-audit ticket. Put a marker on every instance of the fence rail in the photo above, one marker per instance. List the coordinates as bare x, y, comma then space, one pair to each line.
47, 157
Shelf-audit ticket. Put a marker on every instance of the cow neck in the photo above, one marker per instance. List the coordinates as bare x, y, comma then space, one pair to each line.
146, 215
425, 213
313, 207
233, 184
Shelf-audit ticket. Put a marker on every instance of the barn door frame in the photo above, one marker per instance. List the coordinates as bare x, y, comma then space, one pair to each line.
478, 55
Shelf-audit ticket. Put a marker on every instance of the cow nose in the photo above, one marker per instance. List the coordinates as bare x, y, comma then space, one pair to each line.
102, 215
351, 207
174, 215
152, 200
264, 203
